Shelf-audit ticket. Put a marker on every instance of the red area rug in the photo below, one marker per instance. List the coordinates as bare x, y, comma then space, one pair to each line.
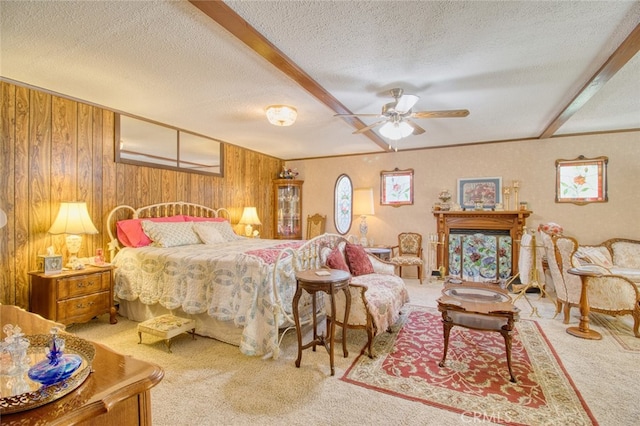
475, 379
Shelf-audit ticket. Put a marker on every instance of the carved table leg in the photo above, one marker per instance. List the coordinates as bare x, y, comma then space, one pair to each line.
583, 330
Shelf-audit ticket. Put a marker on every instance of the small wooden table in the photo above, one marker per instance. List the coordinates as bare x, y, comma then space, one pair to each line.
116, 392
583, 330
381, 252
478, 306
329, 281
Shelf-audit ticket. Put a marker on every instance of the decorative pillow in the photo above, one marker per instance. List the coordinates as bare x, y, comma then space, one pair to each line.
167, 234
551, 228
224, 228
336, 260
597, 256
131, 234
208, 234
204, 219
358, 260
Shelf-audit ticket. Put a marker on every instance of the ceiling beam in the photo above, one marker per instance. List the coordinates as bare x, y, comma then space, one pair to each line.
627, 50
226, 17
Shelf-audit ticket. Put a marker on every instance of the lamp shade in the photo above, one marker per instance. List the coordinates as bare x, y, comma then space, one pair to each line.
73, 218
363, 202
281, 115
250, 217
396, 131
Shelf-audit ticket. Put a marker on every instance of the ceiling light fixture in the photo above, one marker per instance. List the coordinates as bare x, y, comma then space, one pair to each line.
396, 130
281, 115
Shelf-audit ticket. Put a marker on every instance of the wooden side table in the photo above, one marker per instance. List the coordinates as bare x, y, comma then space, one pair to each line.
583, 330
329, 281
478, 306
73, 296
381, 252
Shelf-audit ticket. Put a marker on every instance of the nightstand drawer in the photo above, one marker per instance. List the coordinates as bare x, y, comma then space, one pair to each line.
83, 284
83, 308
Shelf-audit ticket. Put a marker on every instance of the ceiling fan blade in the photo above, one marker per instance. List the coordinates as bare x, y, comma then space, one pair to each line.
417, 130
452, 113
357, 115
369, 127
405, 103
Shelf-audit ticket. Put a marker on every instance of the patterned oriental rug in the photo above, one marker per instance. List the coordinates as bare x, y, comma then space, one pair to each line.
475, 379
621, 331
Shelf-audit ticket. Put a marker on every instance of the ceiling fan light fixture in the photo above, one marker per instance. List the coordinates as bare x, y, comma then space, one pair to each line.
281, 115
396, 131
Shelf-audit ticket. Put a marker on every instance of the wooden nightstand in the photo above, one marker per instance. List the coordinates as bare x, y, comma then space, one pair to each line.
73, 296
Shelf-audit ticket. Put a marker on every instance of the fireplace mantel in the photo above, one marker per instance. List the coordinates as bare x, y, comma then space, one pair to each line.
511, 221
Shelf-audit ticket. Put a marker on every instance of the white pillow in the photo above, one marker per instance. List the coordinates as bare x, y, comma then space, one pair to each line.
208, 234
170, 234
224, 228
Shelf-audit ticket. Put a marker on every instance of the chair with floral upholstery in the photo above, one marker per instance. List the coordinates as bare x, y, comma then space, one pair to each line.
607, 293
408, 252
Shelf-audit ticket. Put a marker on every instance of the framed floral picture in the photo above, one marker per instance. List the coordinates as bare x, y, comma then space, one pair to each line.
581, 180
487, 190
396, 187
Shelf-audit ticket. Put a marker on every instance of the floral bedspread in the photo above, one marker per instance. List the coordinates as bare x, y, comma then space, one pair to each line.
229, 281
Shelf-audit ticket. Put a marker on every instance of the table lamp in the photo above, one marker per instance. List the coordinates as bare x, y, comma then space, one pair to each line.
73, 219
249, 218
363, 207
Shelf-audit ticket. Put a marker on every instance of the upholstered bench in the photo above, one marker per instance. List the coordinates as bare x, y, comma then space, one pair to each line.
167, 327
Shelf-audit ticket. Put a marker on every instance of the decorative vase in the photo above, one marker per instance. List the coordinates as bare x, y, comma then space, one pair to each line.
58, 366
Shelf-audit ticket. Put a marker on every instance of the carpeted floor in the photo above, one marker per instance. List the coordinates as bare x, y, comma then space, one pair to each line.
210, 383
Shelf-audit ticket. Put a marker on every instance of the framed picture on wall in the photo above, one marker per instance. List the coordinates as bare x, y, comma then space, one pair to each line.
396, 187
581, 180
485, 190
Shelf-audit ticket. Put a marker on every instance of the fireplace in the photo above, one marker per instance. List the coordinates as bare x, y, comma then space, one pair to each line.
479, 245
480, 255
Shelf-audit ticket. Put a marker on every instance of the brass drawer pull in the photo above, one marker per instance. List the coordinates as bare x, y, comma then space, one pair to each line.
82, 306
83, 284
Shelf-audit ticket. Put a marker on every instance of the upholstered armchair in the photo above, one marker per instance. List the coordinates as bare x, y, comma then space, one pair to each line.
607, 293
408, 252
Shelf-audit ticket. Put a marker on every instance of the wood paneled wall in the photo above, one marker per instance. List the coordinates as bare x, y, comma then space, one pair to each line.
55, 149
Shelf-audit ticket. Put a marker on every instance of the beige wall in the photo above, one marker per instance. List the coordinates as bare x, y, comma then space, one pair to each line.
530, 162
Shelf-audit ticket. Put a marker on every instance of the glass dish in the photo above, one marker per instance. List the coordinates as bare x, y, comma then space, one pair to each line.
39, 395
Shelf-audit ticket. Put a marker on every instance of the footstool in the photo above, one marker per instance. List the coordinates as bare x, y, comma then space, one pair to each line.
166, 327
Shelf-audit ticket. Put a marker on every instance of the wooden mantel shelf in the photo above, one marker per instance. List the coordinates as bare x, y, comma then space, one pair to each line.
513, 221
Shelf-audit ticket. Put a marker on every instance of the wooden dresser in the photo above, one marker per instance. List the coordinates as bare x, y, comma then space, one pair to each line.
73, 296
117, 392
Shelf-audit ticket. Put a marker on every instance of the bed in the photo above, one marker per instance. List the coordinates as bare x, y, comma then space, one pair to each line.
228, 285
185, 259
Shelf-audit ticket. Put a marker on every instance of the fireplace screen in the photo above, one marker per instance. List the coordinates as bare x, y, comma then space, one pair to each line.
480, 256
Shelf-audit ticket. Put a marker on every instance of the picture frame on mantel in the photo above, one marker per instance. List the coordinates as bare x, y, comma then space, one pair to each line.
582, 180
396, 187
487, 190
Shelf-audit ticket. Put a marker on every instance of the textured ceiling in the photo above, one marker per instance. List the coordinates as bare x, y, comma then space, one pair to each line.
514, 65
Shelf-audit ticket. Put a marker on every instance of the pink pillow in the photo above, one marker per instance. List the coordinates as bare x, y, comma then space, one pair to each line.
358, 260
204, 219
551, 228
335, 260
130, 231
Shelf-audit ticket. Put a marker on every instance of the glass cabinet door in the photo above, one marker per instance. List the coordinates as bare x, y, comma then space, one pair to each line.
288, 204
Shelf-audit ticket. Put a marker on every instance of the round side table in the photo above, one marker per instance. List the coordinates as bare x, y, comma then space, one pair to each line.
328, 281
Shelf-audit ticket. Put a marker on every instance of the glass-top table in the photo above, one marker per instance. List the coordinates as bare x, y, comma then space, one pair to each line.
478, 306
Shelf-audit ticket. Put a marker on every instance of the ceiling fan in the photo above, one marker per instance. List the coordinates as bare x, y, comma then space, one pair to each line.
396, 123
